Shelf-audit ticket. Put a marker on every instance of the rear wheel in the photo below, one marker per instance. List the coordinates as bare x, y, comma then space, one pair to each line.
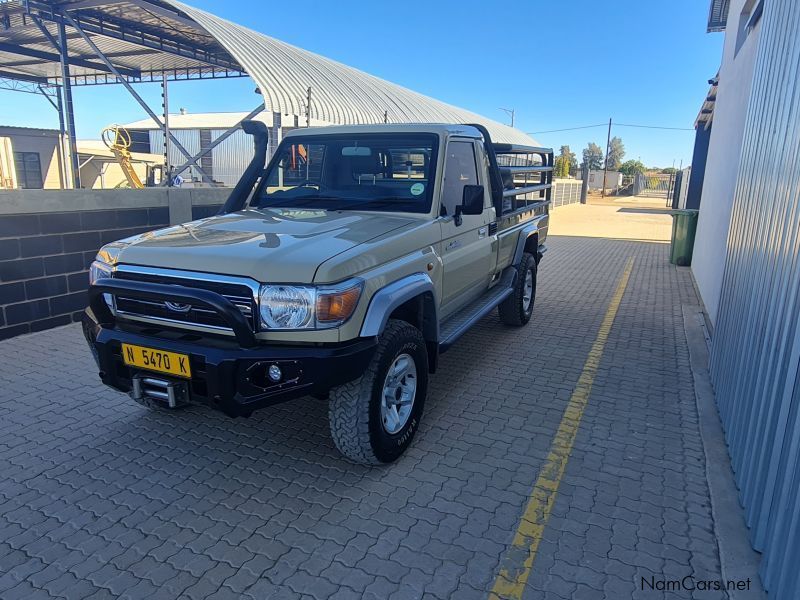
518, 307
374, 418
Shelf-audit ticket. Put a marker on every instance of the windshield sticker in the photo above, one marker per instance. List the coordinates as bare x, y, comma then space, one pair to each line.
417, 189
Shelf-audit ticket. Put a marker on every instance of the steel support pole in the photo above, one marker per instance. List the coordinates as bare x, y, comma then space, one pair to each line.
132, 92
167, 176
605, 163
178, 170
68, 114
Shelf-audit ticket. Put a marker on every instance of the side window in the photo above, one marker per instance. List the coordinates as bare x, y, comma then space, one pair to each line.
459, 170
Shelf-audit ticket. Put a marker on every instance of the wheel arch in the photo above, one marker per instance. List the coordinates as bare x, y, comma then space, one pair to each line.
528, 241
411, 299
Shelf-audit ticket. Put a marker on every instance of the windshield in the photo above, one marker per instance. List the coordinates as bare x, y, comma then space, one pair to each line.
381, 172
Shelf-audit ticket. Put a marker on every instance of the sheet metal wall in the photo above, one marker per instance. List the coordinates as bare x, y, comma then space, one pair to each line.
231, 157
756, 345
189, 139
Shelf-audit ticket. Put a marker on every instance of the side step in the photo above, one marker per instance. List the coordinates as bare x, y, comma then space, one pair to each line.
461, 322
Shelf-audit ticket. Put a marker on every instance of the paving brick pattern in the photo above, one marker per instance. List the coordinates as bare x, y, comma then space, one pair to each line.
100, 498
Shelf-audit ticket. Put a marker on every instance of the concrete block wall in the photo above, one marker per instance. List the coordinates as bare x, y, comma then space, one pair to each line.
49, 238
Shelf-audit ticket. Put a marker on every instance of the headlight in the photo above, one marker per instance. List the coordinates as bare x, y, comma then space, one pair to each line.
287, 307
305, 307
98, 270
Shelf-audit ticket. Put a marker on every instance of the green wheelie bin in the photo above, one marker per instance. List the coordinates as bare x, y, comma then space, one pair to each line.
684, 226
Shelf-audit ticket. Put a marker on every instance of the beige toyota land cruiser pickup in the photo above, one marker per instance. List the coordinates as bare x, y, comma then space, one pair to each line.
341, 270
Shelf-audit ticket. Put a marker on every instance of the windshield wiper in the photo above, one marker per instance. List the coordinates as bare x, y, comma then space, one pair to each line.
377, 202
289, 201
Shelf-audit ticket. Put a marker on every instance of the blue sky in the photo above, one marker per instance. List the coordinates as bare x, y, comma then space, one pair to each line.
558, 64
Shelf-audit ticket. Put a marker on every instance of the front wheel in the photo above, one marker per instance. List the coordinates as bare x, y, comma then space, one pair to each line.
518, 307
374, 418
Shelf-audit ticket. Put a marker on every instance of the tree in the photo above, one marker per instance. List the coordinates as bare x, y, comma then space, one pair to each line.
632, 167
593, 156
561, 167
572, 162
669, 170
616, 152
565, 163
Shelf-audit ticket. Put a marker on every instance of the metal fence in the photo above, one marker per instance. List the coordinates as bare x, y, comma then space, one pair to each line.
656, 185
566, 191
756, 343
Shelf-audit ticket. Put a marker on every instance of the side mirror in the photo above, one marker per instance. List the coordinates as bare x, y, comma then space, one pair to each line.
471, 202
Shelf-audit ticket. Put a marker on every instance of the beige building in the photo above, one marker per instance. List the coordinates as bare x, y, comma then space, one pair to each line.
100, 169
34, 159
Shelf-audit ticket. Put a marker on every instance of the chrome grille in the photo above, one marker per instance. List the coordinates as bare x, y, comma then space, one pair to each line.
239, 293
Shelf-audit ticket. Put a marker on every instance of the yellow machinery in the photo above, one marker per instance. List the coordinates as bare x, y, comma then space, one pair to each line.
118, 140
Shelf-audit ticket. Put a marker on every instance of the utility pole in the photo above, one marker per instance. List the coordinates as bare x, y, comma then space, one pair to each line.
308, 107
510, 111
605, 163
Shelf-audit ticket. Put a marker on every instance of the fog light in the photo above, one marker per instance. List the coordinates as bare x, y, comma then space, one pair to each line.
274, 373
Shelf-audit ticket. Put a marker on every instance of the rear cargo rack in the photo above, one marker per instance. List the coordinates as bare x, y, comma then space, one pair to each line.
527, 174
522, 176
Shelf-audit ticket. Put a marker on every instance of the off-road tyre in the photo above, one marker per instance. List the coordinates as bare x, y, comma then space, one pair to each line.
354, 409
512, 310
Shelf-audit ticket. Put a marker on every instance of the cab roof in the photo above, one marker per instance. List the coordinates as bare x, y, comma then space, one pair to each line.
442, 129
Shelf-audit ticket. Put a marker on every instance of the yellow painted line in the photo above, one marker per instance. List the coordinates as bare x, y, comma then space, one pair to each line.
518, 561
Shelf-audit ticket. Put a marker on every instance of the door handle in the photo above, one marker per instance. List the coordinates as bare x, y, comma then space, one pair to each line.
482, 232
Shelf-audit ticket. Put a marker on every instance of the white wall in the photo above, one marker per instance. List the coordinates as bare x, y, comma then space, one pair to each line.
613, 179
733, 92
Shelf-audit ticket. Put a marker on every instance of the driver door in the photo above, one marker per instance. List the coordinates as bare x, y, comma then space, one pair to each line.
467, 250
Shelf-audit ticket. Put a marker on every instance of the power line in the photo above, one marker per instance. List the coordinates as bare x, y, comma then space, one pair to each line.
565, 129
654, 127
616, 124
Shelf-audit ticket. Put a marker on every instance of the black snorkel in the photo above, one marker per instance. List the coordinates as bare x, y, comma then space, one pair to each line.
241, 192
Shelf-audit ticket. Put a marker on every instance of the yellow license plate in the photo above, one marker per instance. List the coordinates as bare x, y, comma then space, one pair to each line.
161, 361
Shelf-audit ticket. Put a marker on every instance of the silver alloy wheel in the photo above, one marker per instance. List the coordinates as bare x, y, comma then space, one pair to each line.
527, 291
399, 391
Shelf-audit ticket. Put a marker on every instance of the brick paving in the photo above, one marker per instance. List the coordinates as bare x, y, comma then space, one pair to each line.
100, 498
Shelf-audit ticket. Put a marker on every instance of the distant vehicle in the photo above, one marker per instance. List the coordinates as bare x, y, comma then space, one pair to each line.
341, 270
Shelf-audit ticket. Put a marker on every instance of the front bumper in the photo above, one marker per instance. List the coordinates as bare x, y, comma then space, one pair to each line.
225, 375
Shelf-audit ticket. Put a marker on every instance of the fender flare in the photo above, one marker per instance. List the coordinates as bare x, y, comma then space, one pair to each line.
388, 298
526, 232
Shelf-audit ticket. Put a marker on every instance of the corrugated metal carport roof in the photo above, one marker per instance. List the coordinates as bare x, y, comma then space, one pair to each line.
142, 39
145, 38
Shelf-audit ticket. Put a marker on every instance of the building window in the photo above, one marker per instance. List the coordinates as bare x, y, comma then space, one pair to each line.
751, 15
29, 170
